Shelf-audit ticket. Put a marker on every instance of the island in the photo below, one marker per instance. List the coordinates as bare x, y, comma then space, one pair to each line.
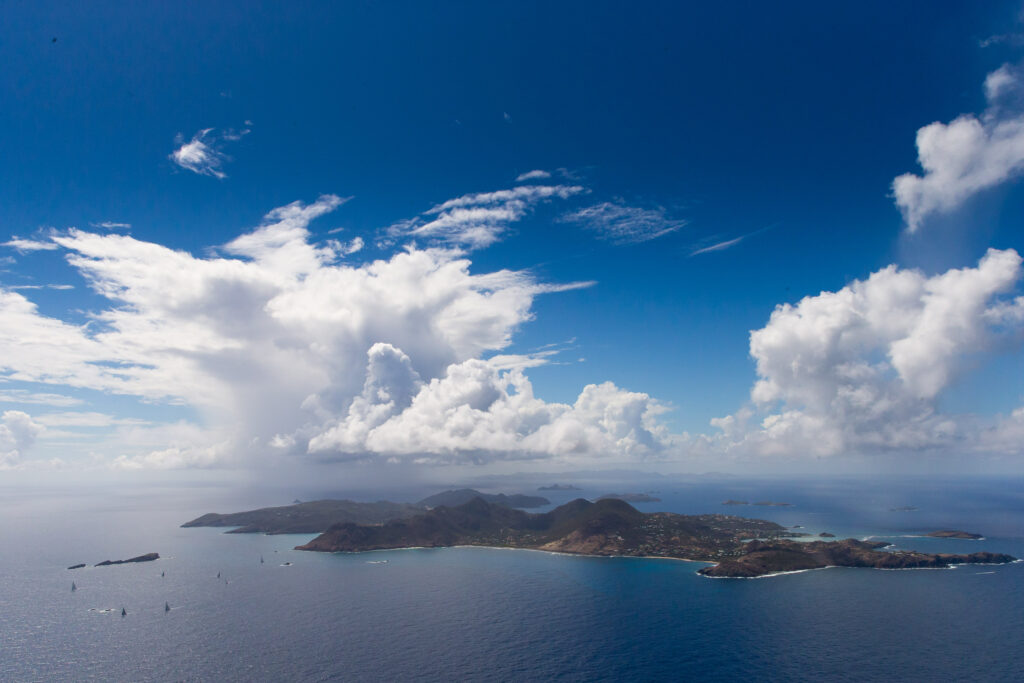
632, 497
460, 496
825, 534
769, 503
735, 502
316, 516
148, 557
772, 557
613, 527
954, 533
559, 487
76, 566
608, 526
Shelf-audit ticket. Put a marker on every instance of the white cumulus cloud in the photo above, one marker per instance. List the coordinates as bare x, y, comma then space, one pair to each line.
268, 342
862, 369
967, 155
476, 412
18, 432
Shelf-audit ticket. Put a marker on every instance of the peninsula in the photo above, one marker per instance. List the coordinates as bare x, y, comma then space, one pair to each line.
306, 518
612, 527
771, 557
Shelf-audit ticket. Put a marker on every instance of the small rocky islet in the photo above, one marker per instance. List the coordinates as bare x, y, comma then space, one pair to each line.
955, 533
148, 557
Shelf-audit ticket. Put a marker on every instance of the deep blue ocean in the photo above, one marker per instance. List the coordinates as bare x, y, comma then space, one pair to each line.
483, 614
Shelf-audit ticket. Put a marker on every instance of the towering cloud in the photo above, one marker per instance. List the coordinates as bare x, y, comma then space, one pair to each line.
282, 346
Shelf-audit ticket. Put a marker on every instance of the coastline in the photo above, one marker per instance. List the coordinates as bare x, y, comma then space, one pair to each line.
502, 547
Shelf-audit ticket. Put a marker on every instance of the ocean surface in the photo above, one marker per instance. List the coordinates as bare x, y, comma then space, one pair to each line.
488, 614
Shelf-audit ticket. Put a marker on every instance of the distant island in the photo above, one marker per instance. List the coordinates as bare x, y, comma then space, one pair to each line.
148, 557
559, 487
460, 496
306, 518
316, 516
953, 533
632, 497
763, 503
612, 527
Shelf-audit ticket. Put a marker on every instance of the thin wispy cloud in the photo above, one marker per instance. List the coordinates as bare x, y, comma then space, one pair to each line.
533, 175
112, 225
24, 246
204, 154
727, 244
37, 398
719, 246
478, 220
531, 193
58, 287
621, 224
85, 419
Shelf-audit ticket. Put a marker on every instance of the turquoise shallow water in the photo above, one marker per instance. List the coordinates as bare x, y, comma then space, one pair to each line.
482, 614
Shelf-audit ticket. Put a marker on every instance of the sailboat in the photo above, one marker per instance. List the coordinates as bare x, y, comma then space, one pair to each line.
218, 575
261, 559
124, 613
167, 607
161, 575
73, 587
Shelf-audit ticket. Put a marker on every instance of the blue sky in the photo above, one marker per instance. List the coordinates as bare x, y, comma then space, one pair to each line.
772, 132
